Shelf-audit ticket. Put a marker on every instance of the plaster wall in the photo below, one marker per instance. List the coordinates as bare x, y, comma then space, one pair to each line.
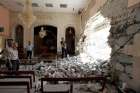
59, 20
4, 21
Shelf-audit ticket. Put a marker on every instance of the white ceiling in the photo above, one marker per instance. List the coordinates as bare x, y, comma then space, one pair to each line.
73, 6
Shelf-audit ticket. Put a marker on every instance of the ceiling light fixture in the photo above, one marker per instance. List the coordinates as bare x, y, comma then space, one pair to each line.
27, 16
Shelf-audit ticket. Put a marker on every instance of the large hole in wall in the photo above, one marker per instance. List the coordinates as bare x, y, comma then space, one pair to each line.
94, 51
94, 43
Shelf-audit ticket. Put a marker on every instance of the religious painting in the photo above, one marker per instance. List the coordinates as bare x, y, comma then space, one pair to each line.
45, 41
70, 40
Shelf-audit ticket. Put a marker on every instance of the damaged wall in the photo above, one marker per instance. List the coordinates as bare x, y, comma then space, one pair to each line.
124, 37
133, 2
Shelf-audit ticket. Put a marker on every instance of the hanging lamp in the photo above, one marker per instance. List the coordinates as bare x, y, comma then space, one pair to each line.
27, 16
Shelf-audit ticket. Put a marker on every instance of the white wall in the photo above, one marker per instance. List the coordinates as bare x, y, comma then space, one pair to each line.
59, 20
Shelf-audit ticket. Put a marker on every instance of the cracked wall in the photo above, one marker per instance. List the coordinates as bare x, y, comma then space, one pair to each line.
123, 39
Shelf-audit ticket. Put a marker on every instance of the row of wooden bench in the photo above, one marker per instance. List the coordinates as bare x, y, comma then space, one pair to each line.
18, 75
31, 77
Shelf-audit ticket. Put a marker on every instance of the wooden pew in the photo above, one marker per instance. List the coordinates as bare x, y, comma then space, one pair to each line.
71, 80
18, 77
19, 73
16, 83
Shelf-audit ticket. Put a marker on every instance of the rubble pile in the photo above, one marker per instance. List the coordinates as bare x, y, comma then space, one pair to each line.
69, 67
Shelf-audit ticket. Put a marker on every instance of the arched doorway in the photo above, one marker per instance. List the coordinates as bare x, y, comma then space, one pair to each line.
70, 40
45, 41
19, 37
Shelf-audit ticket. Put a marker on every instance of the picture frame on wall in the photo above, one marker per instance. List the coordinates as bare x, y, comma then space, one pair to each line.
1, 29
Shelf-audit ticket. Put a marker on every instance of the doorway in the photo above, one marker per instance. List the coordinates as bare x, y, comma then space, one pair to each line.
70, 40
45, 41
19, 37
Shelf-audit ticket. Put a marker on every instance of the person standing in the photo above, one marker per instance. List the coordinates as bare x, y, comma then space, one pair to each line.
14, 57
6, 53
63, 48
10, 55
29, 49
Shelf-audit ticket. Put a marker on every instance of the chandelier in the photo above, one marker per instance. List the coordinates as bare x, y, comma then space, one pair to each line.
27, 16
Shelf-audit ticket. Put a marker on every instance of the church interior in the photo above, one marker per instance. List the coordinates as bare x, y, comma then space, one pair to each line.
69, 46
